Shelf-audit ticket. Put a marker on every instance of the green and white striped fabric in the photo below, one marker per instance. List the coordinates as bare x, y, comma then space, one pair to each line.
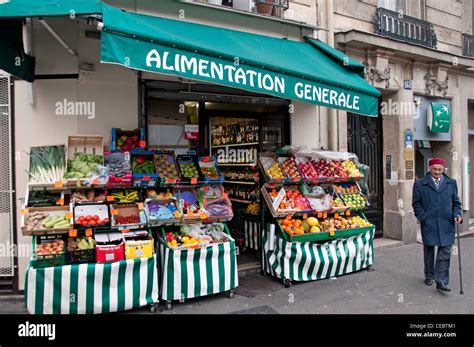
190, 273
92, 288
307, 261
251, 230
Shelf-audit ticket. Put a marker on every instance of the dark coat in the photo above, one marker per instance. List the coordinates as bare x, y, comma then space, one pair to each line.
436, 209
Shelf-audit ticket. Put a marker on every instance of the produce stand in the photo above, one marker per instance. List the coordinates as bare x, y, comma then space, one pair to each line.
332, 237
104, 248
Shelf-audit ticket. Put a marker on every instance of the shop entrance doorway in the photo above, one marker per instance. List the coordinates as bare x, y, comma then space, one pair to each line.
364, 138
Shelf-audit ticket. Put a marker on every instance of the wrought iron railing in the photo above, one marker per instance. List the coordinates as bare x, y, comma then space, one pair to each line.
399, 26
277, 3
468, 45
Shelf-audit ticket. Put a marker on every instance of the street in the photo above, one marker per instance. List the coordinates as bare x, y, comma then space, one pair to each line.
394, 285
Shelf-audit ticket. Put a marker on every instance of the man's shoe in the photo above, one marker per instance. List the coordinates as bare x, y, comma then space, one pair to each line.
428, 281
442, 287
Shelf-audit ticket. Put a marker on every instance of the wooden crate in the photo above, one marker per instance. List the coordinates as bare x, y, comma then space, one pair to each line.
88, 144
48, 210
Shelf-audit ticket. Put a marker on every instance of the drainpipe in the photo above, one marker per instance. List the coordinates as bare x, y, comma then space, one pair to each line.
27, 34
332, 114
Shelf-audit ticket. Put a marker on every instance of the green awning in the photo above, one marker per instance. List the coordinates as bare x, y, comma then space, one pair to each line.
13, 59
48, 8
310, 72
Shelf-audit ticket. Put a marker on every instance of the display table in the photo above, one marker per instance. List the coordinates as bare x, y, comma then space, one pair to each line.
190, 273
92, 288
308, 261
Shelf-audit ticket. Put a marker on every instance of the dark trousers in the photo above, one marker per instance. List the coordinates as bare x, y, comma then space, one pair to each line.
439, 270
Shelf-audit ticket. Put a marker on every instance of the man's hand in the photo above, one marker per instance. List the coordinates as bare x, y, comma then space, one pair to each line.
458, 220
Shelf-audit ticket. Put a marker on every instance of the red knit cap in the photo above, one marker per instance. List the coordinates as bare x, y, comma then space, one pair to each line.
436, 161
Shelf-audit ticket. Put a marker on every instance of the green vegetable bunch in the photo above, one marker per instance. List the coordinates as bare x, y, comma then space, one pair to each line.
83, 165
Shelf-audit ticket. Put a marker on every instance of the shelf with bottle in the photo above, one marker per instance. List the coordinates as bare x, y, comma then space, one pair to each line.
234, 134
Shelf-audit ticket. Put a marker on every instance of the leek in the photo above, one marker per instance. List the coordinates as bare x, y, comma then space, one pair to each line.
47, 164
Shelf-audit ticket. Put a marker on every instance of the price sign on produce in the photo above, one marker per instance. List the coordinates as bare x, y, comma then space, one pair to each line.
279, 198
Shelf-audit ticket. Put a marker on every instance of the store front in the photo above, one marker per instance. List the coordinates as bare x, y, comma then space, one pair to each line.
237, 98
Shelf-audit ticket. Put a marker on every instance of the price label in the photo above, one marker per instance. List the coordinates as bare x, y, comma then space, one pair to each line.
88, 232
125, 230
146, 178
115, 212
142, 144
320, 215
190, 213
296, 179
110, 198
278, 179
58, 184
194, 180
305, 215
325, 215
225, 196
206, 159
60, 202
170, 181
279, 198
72, 232
25, 211
203, 216
348, 212
331, 233
336, 215
140, 205
68, 215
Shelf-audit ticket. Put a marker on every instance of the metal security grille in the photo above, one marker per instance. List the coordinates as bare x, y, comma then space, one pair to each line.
364, 138
6, 187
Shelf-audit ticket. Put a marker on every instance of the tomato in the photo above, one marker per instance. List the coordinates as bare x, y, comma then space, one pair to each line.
80, 219
84, 222
105, 220
96, 218
92, 222
88, 217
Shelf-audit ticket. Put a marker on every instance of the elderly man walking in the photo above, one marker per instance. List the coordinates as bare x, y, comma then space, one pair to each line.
437, 207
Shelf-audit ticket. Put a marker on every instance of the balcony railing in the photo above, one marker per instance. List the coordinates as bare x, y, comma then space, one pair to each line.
401, 27
468, 45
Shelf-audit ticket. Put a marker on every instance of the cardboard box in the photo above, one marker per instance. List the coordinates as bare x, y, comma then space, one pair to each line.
109, 247
138, 244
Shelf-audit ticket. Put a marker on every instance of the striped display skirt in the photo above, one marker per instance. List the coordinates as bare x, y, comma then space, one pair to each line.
190, 273
307, 261
92, 288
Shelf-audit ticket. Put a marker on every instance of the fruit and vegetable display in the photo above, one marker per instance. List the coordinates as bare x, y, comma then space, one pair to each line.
126, 143
47, 164
299, 226
351, 168
80, 243
38, 220
87, 196
337, 203
162, 195
50, 248
83, 165
275, 172
188, 168
345, 188
130, 219
189, 203
118, 164
307, 169
142, 165
209, 170
293, 200
125, 196
43, 199
356, 200
91, 220
290, 168
166, 166
196, 236
329, 169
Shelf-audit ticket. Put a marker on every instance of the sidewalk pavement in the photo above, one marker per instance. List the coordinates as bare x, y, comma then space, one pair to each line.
393, 285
